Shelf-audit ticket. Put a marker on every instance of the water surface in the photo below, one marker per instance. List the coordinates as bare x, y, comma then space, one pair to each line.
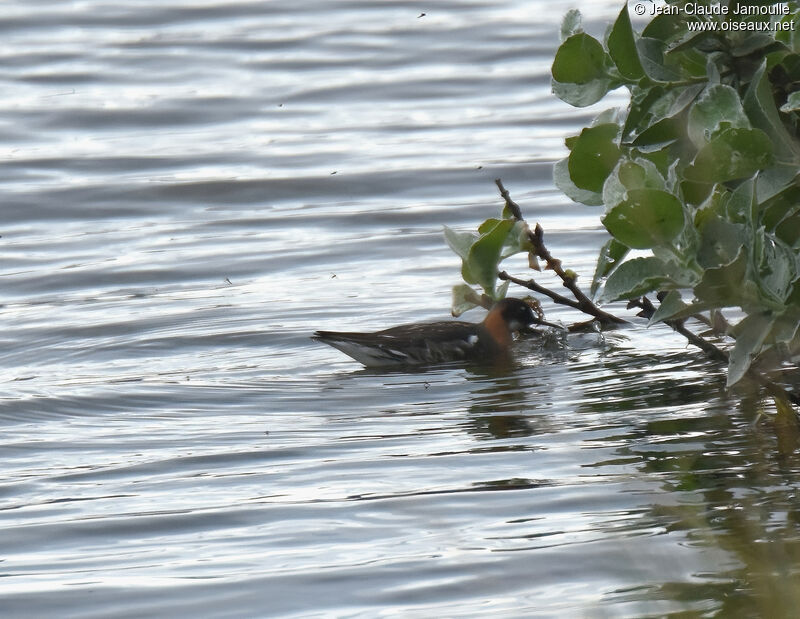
189, 190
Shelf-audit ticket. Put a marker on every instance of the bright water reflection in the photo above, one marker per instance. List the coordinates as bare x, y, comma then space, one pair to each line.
174, 444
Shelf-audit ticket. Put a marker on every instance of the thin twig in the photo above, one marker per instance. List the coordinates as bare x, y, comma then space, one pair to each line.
707, 347
510, 204
713, 351
584, 303
536, 237
532, 285
648, 309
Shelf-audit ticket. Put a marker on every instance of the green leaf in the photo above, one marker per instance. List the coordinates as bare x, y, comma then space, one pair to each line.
580, 75
697, 38
670, 305
717, 105
741, 206
563, 181
488, 225
777, 268
650, 106
794, 299
634, 278
673, 179
755, 42
725, 286
665, 27
580, 59
788, 230
622, 47
459, 242
571, 24
614, 191
760, 107
731, 155
659, 134
792, 102
664, 122
691, 62
776, 179
642, 101
689, 310
581, 95
484, 255
502, 290
786, 327
594, 154
788, 37
648, 218
641, 174
611, 115
694, 192
609, 258
651, 54
720, 241
464, 299
775, 211
627, 175
752, 330
517, 240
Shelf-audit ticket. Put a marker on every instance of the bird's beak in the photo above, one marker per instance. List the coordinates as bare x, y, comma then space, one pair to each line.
544, 323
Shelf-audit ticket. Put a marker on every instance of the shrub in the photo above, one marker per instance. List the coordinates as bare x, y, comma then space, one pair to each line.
700, 174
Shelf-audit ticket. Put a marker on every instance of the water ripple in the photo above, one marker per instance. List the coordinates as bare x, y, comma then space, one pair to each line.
191, 189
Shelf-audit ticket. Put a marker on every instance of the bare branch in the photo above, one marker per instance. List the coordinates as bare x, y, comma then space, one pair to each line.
510, 204
712, 351
532, 285
536, 237
584, 304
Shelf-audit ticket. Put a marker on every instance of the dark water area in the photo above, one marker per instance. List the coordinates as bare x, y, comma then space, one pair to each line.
189, 190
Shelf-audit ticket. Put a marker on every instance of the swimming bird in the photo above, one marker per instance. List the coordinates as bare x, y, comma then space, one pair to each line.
436, 342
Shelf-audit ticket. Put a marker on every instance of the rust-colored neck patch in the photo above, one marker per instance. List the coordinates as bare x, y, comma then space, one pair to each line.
497, 329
